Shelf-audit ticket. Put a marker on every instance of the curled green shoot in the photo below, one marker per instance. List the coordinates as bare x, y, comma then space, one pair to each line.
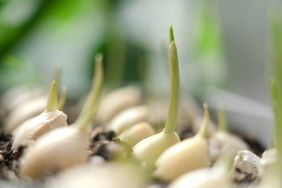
277, 110
174, 86
90, 105
203, 132
221, 118
62, 99
52, 98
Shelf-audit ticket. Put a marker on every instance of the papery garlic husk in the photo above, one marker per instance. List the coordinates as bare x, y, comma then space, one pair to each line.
117, 101
32, 129
203, 178
136, 133
150, 148
188, 155
269, 158
222, 142
128, 118
18, 95
58, 149
108, 175
24, 112
247, 167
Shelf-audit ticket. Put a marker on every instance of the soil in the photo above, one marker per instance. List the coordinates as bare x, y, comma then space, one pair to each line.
8, 158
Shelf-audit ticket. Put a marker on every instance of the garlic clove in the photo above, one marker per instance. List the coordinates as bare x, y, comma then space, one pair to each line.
128, 118
33, 128
202, 178
19, 95
136, 133
24, 112
109, 175
117, 101
150, 148
269, 158
65, 146
222, 142
57, 149
188, 155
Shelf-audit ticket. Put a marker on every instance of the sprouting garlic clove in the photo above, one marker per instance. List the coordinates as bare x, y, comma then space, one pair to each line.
57, 149
269, 158
128, 118
136, 133
183, 157
65, 146
32, 129
50, 119
222, 142
108, 175
247, 167
117, 101
24, 112
203, 178
150, 148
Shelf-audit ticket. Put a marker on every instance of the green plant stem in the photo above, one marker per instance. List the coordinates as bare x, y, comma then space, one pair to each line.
205, 125
52, 98
90, 105
221, 119
62, 99
277, 110
174, 87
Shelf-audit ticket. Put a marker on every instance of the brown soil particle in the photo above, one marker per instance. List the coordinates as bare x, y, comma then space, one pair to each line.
8, 158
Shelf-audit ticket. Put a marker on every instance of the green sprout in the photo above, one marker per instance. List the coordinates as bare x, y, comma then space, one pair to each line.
52, 99
90, 107
222, 125
174, 85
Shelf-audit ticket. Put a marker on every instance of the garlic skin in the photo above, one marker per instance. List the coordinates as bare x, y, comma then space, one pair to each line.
57, 149
203, 178
247, 167
24, 112
108, 175
136, 133
188, 155
269, 158
117, 101
128, 118
222, 142
150, 148
32, 129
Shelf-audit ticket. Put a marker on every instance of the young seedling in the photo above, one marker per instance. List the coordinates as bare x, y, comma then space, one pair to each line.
65, 146
50, 119
222, 141
136, 133
128, 118
27, 103
188, 155
149, 149
116, 102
